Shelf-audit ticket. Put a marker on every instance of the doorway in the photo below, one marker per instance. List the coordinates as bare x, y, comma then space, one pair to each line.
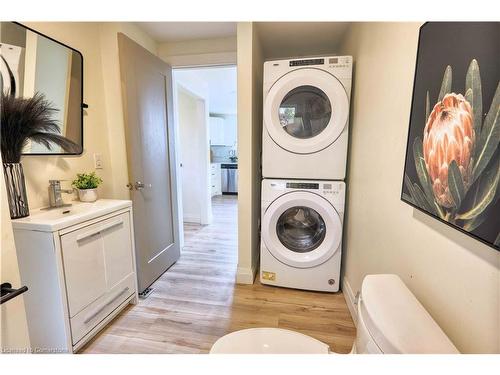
205, 104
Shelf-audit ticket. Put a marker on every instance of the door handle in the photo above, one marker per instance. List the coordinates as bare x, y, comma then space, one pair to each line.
138, 185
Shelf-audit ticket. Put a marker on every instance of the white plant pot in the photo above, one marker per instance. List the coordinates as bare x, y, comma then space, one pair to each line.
87, 195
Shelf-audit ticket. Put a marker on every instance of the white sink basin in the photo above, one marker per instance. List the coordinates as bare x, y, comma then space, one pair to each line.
51, 220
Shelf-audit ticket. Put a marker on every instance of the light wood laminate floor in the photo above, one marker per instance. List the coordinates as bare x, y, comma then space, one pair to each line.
196, 301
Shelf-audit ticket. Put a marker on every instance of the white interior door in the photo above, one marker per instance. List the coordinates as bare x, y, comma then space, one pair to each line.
192, 118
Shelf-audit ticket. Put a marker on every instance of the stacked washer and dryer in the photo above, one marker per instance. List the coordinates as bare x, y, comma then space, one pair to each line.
304, 155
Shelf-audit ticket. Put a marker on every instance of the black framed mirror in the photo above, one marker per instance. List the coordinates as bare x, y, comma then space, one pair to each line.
30, 63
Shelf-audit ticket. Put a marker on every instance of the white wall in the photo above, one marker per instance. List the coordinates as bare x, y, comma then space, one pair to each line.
250, 68
39, 169
282, 40
13, 325
200, 52
104, 131
455, 277
114, 122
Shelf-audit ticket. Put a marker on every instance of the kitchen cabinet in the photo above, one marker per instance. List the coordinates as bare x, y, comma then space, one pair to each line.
230, 130
217, 131
215, 179
79, 263
223, 131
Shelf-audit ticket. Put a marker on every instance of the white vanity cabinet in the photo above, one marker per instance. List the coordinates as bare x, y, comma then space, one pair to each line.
79, 265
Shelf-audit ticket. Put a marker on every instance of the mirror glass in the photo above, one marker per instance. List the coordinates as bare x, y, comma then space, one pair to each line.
32, 63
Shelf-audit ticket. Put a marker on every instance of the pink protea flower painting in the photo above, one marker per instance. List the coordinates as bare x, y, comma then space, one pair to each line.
448, 135
452, 165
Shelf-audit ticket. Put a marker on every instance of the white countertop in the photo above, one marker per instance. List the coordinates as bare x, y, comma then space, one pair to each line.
51, 220
226, 162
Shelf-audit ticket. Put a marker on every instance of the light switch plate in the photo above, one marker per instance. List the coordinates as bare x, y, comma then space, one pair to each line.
98, 161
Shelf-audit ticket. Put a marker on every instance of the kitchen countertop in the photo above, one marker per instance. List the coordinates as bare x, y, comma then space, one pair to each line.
225, 162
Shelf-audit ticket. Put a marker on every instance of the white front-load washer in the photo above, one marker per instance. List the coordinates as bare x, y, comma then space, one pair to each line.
301, 233
305, 117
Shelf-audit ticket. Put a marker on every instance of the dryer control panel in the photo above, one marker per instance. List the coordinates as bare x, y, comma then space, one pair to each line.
307, 62
336, 61
332, 191
340, 62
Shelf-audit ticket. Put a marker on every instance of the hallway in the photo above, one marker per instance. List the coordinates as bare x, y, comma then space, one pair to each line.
196, 301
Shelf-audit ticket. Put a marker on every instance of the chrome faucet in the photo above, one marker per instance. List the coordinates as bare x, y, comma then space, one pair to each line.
55, 198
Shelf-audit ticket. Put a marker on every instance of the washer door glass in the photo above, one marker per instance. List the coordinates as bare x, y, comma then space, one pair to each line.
305, 112
301, 229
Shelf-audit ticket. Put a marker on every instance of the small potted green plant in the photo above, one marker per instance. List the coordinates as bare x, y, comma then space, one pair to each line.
86, 184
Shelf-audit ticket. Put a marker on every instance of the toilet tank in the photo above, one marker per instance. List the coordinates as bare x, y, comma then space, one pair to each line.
391, 320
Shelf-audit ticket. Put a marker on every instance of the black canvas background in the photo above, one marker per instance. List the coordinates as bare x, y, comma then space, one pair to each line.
454, 44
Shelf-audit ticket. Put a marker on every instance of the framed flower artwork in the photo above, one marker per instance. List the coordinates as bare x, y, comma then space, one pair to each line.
452, 166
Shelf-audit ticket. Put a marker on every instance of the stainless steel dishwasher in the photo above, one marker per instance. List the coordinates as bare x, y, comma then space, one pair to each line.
229, 178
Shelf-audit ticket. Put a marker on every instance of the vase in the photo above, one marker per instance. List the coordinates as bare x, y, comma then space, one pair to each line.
87, 195
16, 190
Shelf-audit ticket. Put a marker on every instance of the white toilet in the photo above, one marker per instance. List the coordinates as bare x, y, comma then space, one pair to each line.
390, 321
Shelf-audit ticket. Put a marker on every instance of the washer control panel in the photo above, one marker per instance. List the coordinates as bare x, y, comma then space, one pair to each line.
332, 189
326, 188
340, 62
302, 185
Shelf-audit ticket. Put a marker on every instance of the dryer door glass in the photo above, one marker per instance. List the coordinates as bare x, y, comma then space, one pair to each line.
305, 112
301, 229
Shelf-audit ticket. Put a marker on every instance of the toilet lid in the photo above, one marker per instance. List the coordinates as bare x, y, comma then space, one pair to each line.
397, 321
268, 341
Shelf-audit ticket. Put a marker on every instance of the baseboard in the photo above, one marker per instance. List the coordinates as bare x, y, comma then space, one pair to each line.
192, 219
245, 275
350, 299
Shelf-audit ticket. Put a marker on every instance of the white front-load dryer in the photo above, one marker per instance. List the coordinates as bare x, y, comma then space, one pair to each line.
305, 117
301, 233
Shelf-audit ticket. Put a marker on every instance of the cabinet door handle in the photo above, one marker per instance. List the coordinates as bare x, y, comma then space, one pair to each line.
97, 231
106, 305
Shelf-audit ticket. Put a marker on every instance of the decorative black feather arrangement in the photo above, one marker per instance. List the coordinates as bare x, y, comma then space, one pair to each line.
24, 119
